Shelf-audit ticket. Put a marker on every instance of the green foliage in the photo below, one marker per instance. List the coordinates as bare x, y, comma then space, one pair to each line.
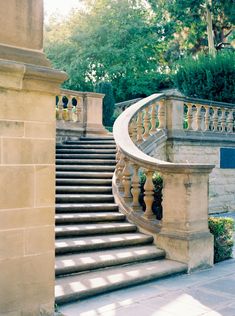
114, 41
158, 185
108, 102
222, 230
208, 77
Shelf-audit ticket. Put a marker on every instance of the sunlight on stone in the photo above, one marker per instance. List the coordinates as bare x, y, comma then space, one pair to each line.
77, 286
96, 241
116, 277
59, 290
87, 260
97, 282
107, 257
134, 273
67, 263
185, 304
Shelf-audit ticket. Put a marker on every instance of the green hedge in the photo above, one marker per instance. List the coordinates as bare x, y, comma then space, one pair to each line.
222, 229
208, 77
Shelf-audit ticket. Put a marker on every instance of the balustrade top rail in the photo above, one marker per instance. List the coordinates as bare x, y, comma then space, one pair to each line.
128, 148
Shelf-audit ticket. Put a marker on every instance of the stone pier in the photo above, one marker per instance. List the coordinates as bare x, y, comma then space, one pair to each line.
27, 162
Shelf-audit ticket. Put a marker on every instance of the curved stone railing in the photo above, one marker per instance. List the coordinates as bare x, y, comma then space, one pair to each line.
183, 230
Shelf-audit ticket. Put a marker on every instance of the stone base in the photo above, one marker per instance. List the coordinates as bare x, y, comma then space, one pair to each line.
96, 130
196, 250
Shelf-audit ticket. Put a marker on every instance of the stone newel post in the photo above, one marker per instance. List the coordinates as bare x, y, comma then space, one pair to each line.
27, 162
184, 235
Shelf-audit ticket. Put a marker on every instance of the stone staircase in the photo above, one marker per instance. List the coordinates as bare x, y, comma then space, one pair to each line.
97, 249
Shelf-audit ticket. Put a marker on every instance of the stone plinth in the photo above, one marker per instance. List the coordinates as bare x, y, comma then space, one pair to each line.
184, 234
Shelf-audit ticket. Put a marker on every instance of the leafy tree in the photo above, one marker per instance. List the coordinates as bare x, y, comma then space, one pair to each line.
113, 41
186, 25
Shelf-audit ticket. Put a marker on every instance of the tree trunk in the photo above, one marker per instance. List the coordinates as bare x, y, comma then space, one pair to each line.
210, 34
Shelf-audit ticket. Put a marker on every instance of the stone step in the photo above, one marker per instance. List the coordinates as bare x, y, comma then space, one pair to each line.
73, 161
62, 150
86, 182
85, 156
87, 146
84, 138
83, 285
93, 229
84, 198
84, 189
90, 142
75, 218
84, 175
86, 208
76, 263
85, 168
88, 243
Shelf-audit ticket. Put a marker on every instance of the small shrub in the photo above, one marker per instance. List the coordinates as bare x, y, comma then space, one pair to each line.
157, 204
222, 230
208, 77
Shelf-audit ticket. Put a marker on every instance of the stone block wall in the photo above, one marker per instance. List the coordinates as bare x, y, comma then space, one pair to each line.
221, 181
27, 189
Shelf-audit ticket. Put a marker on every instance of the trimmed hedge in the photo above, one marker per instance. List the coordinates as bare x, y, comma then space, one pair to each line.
222, 229
208, 77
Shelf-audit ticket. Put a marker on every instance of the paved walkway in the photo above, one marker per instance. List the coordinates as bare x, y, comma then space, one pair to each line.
203, 293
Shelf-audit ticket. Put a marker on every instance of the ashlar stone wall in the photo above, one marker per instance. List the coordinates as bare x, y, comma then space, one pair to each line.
221, 181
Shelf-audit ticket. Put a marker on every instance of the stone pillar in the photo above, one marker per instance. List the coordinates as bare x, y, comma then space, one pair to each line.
184, 234
27, 162
93, 104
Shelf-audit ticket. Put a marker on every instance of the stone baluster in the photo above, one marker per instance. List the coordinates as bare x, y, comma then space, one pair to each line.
198, 117
190, 116
139, 127
153, 118
223, 120
207, 118
215, 119
146, 123
161, 114
78, 110
60, 107
117, 169
133, 130
135, 189
230, 122
70, 108
126, 180
120, 169
149, 195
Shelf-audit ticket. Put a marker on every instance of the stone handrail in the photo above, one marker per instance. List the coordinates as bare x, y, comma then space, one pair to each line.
185, 185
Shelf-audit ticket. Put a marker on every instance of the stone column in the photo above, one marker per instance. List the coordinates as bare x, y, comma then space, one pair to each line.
27, 162
184, 234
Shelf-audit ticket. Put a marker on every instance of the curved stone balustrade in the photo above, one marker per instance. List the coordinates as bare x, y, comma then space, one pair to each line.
184, 225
